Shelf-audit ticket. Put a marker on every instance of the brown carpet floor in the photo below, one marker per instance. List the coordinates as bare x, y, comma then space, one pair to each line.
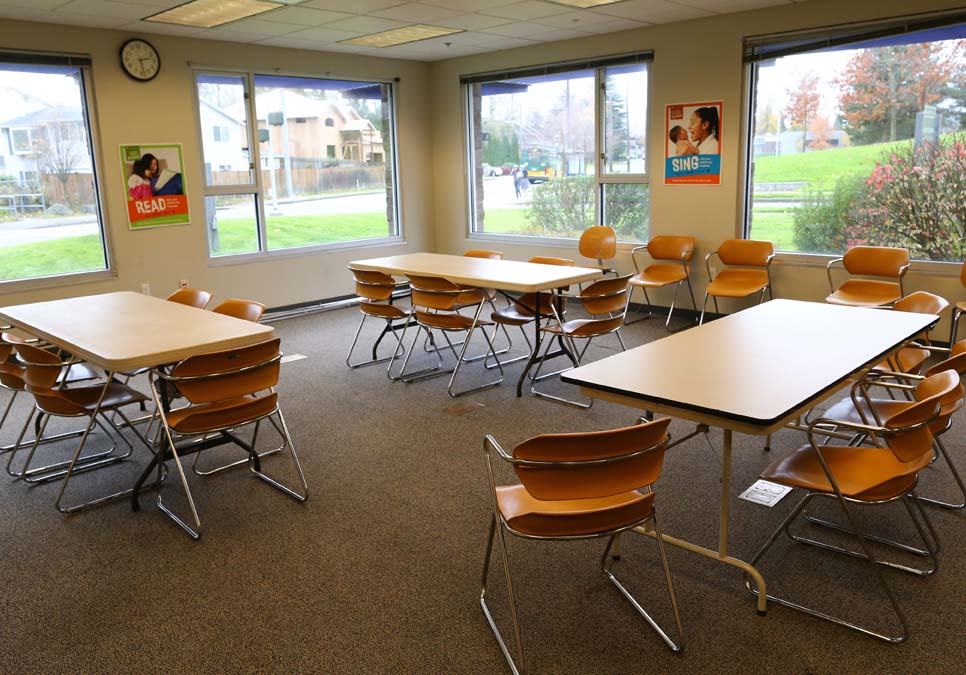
379, 571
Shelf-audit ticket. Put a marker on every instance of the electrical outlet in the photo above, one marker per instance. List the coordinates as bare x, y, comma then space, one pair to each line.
183, 283
146, 289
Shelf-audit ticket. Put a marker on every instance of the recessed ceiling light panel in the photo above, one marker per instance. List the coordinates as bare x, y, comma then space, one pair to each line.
211, 13
400, 36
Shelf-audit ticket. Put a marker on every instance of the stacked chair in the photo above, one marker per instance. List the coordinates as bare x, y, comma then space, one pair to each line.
375, 291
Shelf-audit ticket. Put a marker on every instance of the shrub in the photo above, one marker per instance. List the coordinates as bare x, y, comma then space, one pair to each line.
57, 210
821, 222
562, 206
916, 198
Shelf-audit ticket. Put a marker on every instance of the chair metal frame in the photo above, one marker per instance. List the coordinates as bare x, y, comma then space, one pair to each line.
452, 298
518, 666
160, 379
392, 323
958, 309
815, 429
711, 278
684, 260
611, 324
901, 272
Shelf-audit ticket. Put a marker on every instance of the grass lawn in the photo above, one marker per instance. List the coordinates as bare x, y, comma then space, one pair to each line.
59, 256
237, 235
821, 169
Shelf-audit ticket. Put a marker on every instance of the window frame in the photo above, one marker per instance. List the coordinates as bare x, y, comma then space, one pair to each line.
602, 178
257, 189
836, 35
91, 130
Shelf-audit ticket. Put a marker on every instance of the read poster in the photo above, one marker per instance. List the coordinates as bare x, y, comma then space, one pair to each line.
693, 144
154, 185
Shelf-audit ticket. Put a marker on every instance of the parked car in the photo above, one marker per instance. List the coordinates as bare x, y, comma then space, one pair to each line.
490, 171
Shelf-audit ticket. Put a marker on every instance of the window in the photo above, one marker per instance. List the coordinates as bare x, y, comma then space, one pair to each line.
858, 136
49, 173
556, 149
329, 122
284, 204
221, 134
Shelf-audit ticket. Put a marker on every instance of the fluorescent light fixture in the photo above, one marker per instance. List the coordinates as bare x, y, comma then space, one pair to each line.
400, 36
584, 4
211, 13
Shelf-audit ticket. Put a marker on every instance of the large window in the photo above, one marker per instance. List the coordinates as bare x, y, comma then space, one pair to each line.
858, 136
555, 150
301, 162
50, 220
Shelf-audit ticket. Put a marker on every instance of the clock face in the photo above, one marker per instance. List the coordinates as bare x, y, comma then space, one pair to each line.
140, 60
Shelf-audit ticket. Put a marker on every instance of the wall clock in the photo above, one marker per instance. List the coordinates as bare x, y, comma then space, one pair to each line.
140, 60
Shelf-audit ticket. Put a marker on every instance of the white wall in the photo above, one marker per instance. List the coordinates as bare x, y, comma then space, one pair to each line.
163, 111
693, 60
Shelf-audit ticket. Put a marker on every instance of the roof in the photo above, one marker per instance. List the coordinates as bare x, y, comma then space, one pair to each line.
54, 113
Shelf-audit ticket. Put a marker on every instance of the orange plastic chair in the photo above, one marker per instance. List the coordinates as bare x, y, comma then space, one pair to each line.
911, 359
375, 291
861, 408
748, 273
192, 297
521, 311
44, 378
864, 475
480, 253
672, 257
577, 486
598, 243
436, 304
876, 261
226, 391
959, 309
249, 310
606, 303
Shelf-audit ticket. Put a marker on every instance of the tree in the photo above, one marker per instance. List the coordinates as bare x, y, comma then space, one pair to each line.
616, 141
883, 88
803, 101
819, 129
59, 152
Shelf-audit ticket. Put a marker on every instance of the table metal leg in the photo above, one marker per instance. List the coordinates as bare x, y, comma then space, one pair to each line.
536, 346
725, 496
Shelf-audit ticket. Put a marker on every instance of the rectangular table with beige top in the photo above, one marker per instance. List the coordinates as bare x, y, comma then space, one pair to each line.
752, 372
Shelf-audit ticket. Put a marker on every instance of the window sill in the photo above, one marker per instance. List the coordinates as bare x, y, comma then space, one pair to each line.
71, 279
532, 240
301, 251
933, 268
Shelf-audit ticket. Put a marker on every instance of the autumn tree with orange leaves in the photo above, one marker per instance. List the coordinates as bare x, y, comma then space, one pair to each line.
802, 107
882, 89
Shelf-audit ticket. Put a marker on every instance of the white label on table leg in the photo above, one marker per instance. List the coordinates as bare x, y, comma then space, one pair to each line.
765, 493
293, 357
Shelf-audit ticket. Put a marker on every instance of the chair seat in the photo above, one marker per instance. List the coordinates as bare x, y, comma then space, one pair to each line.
657, 275
79, 400
448, 321
11, 375
587, 327
961, 305
514, 315
885, 408
221, 414
869, 474
383, 311
528, 515
910, 360
865, 293
737, 283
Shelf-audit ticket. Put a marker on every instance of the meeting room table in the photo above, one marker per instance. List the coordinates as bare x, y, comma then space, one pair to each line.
506, 276
125, 332
752, 372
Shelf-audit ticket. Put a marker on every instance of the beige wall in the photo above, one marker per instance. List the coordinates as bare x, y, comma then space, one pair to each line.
693, 60
163, 110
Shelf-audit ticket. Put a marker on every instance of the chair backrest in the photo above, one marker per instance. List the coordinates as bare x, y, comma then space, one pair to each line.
913, 436
962, 274
12, 372
229, 374
607, 296
479, 253
950, 400
439, 293
42, 367
371, 285
955, 361
921, 302
592, 464
877, 261
598, 243
745, 252
544, 260
668, 247
527, 301
193, 297
249, 310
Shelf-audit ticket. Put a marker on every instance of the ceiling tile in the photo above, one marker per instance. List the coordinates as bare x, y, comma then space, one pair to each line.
501, 42
559, 34
416, 12
160, 28
728, 6
472, 21
38, 5
89, 20
260, 27
614, 25
21, 13
366, 24
519, 29
103, 8
652, 11
351, 6
301, 16
350, 49
574, 20
323, 34
469, 5
230, 35
523, 11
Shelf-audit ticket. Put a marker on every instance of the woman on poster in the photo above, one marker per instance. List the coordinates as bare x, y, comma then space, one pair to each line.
703, 130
